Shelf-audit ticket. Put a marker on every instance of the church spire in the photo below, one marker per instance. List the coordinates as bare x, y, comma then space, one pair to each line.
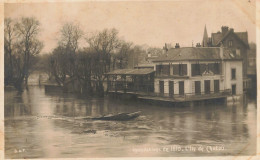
205, 38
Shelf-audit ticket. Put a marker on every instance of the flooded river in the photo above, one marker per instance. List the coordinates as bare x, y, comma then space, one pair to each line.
44, 125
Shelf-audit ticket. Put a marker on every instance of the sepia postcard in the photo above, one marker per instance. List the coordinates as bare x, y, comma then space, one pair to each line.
129, 79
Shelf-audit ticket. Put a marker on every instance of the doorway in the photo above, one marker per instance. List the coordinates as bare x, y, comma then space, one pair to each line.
234, 89
207, 86
216, 86
171, 89
161, 84
197, 87
181, 87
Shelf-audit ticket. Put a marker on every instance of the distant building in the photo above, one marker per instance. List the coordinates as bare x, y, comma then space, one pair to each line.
236, 41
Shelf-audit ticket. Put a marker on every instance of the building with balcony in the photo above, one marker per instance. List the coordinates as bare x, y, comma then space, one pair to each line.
197, 71
184, 74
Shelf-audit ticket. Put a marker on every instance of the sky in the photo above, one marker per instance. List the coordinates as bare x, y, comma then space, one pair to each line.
142, 22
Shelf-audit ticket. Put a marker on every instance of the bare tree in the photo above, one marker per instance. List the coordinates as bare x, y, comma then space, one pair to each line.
120, 59
27, 46
85, 68
135, 56
70, 36
58, 65
63, 59
104, 43
155, 51
8, 49
86, 65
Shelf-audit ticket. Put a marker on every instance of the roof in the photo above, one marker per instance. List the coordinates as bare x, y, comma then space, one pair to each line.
145, 65
216, 37
197, 53
219, 37
243, 36
143, 71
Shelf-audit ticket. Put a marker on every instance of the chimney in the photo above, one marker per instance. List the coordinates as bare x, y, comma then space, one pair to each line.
221, 51
165, 48
224, 30
177, 45
198, 45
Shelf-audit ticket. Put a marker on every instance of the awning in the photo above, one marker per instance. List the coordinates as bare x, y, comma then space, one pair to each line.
143, 71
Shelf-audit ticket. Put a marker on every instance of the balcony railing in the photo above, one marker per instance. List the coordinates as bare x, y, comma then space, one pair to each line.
179, 97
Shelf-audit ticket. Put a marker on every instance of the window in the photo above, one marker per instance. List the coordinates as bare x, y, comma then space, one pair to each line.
203, 68
182, 69
234, 89
233, 73
195, 69
230, 43
214, 67
175, 69
165, 70
158, 69
179, 69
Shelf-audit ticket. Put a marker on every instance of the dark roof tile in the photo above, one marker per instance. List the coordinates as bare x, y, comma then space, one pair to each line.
243, 36
216, 37
196, 53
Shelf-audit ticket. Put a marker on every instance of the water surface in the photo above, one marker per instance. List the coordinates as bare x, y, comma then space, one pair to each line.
50, 125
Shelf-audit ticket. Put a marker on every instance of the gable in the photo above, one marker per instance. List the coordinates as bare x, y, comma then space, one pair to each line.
243, 36
235, 36
216, 38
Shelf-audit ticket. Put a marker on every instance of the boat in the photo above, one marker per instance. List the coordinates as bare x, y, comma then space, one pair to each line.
119, 117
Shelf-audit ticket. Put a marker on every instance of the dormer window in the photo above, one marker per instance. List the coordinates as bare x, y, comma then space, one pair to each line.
230, 43
238, 52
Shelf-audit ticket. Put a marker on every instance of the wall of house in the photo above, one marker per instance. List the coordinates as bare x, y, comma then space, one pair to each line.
228, 81
169, 72
206, 77
225, 81
202, 80
187, 85
243, 50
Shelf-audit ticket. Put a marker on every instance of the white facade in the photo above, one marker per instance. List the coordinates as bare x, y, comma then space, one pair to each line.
225, 79
238, 81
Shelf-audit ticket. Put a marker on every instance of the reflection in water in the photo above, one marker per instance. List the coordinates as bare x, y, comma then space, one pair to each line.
41, 125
